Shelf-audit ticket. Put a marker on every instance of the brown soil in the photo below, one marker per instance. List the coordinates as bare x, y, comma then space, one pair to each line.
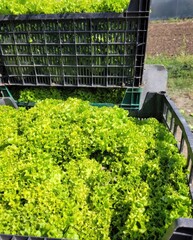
184, 102
173, 38
170, 38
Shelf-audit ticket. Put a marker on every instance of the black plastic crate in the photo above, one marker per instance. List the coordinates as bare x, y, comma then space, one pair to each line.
17, 237
79, 49
181, 229
159, 106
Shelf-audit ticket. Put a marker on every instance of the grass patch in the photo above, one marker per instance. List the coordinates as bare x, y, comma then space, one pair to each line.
171, 20
180, 71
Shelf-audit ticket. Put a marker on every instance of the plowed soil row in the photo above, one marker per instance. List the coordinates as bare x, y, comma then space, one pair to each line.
170, 38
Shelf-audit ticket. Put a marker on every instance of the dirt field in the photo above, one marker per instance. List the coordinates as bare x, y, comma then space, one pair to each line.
170, 38
173, 38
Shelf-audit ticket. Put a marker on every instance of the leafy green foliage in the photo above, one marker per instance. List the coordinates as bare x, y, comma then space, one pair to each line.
86, 94
60, 6
72, 170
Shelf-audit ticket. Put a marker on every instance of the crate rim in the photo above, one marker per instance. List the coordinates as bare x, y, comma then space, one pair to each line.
66, 16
